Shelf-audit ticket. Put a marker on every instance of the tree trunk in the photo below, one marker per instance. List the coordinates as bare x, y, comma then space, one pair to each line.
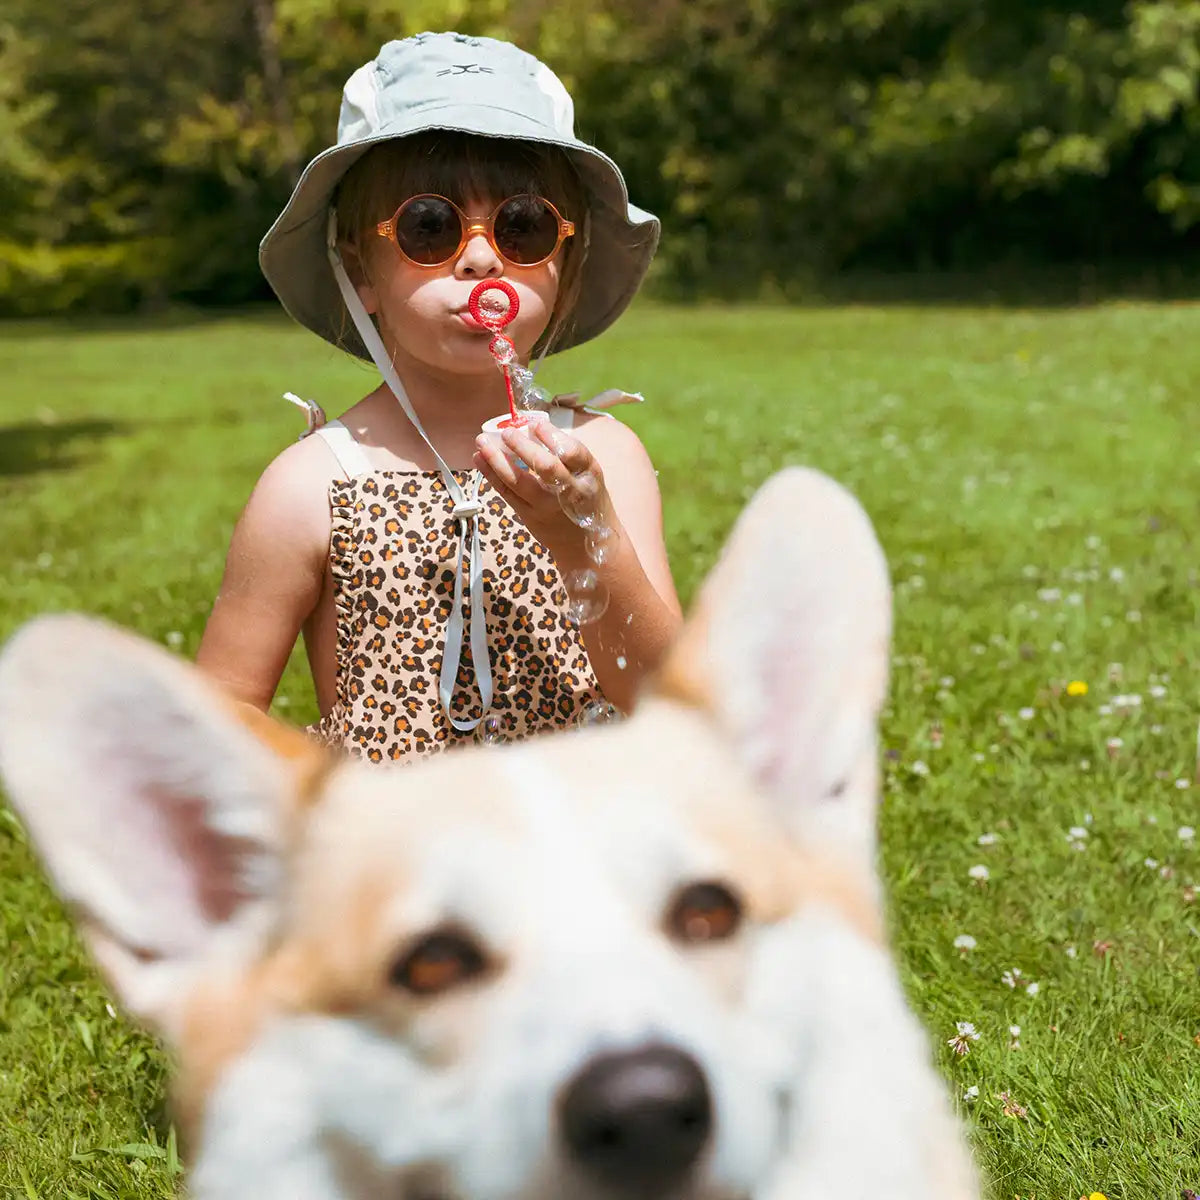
272, 67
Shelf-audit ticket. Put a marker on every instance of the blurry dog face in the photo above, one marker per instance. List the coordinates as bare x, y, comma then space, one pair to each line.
637, 962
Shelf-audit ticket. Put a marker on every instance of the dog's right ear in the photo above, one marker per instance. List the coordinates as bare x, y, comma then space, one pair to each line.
787, 648
160, 814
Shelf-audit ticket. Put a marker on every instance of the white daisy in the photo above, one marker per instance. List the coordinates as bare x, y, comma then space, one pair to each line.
964, 1035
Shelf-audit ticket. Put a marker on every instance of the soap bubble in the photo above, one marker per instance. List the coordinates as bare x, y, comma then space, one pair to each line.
503, 351
494, 304
598, 544
534, 396
580, 500
522, 379
491, 731
586, 595
584, 610
598, 712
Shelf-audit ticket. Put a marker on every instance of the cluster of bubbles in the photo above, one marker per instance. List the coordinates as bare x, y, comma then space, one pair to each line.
587, 596
527, 395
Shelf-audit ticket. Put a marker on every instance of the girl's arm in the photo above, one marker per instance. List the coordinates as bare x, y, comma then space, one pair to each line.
604, 466
274, 574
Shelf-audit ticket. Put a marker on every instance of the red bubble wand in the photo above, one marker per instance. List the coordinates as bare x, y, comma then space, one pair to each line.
494, 313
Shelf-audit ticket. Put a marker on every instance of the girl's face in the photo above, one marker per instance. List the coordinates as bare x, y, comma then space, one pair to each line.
422, 311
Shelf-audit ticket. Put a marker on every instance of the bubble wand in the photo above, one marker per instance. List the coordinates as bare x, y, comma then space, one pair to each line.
494, 313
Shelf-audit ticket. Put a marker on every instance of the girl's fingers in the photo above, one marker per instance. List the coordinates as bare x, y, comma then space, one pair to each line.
570, 451
548, 457
498, 467
523, 483
484, 463
542, 461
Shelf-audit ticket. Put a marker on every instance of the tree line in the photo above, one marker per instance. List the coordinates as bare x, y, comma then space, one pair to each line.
145, 146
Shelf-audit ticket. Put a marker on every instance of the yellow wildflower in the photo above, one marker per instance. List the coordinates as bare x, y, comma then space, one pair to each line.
1077, 687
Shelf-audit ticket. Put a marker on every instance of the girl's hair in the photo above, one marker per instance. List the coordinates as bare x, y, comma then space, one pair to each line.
462, 166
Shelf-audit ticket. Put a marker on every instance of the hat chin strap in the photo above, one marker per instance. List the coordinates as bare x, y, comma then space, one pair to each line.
466, 508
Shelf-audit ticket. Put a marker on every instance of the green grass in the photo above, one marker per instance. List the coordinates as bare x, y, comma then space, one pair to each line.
1035, 478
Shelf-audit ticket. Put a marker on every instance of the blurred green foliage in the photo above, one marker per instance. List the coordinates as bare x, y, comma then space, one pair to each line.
145, 147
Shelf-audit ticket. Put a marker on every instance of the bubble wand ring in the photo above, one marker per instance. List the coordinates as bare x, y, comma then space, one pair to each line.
493, 317
488, 312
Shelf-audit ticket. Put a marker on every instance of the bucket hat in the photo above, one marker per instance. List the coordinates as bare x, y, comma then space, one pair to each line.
475, 85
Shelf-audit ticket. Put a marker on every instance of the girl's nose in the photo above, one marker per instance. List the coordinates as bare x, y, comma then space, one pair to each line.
478, 260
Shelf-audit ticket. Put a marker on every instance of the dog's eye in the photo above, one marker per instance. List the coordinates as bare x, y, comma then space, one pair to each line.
437, 963
704, 912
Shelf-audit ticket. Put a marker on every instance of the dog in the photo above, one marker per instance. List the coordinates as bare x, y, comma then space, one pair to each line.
642, 961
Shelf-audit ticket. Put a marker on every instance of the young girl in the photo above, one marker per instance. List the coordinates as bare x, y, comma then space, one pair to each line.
451, 584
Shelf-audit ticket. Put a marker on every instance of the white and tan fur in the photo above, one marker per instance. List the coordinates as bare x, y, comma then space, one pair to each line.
249, 899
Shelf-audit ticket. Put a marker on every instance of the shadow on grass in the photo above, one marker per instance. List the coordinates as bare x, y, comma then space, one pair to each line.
33, 446
166, 320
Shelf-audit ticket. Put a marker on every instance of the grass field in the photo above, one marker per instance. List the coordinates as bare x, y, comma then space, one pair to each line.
1035, 478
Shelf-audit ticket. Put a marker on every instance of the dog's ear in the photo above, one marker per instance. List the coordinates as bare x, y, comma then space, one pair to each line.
158, 811
788, 648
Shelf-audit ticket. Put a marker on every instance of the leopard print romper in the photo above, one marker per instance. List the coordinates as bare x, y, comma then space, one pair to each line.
394, 549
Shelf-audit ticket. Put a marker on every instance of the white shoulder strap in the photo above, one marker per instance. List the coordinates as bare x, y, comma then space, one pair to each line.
351, 457
563, 415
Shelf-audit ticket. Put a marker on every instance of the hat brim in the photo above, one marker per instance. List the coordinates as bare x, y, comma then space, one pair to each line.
623, 237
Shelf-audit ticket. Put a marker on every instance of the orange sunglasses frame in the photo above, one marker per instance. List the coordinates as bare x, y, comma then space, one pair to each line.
470, 226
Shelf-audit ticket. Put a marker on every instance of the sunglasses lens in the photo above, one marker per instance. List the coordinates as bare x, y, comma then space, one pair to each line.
428, 230
526, 230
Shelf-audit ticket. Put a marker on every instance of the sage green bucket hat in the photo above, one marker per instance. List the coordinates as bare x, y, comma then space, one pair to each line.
471, 85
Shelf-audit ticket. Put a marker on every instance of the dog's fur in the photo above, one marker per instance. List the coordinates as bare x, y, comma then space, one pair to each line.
249, 899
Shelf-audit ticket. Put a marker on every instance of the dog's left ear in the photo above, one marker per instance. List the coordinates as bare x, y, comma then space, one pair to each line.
160, 810
787, 647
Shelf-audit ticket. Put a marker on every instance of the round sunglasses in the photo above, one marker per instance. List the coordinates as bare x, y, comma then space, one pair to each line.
430, 230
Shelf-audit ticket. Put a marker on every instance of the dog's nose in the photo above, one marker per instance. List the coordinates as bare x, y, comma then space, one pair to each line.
638, 1118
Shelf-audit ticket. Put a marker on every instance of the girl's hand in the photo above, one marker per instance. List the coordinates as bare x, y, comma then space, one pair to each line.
559, 490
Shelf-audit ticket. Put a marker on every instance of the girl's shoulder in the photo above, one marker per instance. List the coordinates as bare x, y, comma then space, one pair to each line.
299, 469
608, 438
288, 507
